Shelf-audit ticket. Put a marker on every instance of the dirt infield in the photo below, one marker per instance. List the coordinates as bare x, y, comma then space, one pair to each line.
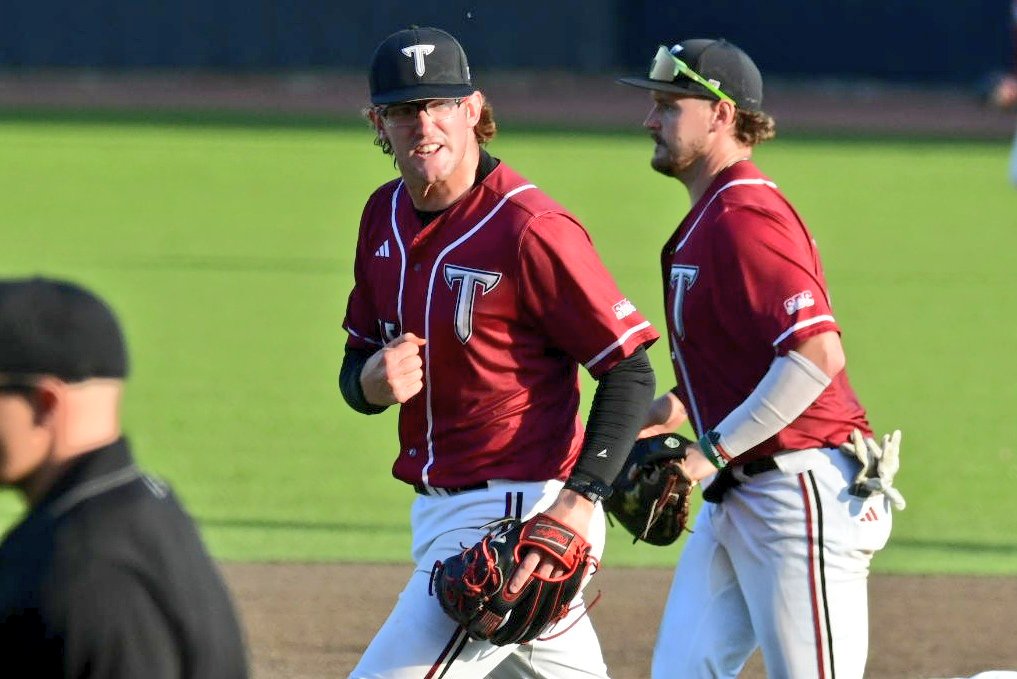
312, 621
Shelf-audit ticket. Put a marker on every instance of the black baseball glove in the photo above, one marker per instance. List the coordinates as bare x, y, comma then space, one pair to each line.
472, 587
652, 493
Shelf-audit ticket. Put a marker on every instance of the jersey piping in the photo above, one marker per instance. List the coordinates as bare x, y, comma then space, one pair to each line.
402, 255
369, 340
614, 345
427, 312
694, 407
803, 324
696, 421
736, 182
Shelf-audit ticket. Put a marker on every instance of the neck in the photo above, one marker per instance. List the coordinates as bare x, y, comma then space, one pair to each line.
38, 484
87, 418
438, 195
711, 166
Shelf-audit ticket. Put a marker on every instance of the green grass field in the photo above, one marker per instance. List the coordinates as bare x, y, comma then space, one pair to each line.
227, 251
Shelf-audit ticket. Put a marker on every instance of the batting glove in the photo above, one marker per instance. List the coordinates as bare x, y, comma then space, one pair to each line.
880, 464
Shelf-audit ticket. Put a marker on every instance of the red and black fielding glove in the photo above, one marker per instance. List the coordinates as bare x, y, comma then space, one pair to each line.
472, 587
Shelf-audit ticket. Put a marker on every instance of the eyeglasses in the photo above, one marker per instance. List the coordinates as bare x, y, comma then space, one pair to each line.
406, 114
666, 66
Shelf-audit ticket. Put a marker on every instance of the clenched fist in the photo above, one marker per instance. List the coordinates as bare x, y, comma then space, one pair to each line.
396, 373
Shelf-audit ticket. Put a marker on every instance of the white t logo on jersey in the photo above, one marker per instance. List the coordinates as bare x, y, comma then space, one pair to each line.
417, 53
469, 280
682, 278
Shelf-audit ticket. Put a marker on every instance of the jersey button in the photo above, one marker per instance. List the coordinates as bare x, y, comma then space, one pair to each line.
416, 267
412, 452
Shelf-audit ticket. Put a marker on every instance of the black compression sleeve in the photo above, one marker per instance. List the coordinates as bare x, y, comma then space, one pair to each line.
349, 381
620, 404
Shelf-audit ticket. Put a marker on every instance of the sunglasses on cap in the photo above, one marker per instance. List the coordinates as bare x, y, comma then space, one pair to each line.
666, 67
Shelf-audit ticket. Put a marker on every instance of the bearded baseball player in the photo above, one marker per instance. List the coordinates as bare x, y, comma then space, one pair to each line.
476, 299
799, 493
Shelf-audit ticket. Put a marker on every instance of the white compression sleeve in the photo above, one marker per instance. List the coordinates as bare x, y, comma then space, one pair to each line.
791, 385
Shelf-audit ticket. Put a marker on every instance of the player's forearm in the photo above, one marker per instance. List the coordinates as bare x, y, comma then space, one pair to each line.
665, 415
789, 387
619, 408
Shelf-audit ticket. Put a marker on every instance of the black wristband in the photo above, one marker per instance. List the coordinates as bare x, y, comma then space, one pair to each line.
349, 381
592, 489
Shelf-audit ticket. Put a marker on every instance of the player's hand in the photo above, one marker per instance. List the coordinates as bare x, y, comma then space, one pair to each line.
573, 510
697, 466
395, 373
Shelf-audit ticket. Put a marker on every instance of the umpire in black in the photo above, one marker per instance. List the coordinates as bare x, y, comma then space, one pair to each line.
107, 575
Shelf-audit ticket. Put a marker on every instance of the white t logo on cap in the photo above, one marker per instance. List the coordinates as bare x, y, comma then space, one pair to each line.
417, 53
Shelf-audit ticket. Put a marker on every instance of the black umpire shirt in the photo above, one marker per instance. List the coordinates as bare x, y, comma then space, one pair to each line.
108, 577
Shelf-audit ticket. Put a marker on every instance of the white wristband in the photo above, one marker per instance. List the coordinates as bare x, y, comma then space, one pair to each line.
791, 385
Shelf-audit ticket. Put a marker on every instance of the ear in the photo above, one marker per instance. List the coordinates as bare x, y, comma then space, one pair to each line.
44, 401
377, 122
724, 114
473, 104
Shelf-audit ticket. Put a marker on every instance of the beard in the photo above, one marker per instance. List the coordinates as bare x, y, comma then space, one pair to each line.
663, 165
676, 162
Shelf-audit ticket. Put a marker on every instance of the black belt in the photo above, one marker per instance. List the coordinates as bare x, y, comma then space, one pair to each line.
726, 480
756, 467
455, 490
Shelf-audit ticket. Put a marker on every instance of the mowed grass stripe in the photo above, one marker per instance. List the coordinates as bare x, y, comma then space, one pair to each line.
228, 253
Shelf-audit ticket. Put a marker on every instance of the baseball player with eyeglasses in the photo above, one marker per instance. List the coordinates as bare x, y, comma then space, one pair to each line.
476, 298
798, 492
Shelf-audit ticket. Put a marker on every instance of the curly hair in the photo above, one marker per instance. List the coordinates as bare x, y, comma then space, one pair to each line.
754, 127
484, 131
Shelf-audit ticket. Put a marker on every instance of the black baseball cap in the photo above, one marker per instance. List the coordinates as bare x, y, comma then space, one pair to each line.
722, 64
419, 63
52, 327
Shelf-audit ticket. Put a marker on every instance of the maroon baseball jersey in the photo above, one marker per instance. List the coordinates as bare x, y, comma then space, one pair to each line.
507, 289
743, 283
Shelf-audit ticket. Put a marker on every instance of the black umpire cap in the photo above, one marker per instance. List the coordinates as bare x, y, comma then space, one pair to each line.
701, 67
419, 63
51, 327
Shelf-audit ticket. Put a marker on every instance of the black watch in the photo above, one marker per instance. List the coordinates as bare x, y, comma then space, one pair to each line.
592, 489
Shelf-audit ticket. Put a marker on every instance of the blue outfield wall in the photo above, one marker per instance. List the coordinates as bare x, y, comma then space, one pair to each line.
926, 41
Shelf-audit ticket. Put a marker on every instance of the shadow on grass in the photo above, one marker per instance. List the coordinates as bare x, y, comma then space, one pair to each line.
315, 526
987, 548
230, 264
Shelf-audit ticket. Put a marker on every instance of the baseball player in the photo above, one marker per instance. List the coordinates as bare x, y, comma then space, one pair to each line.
780, 554
476, 299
